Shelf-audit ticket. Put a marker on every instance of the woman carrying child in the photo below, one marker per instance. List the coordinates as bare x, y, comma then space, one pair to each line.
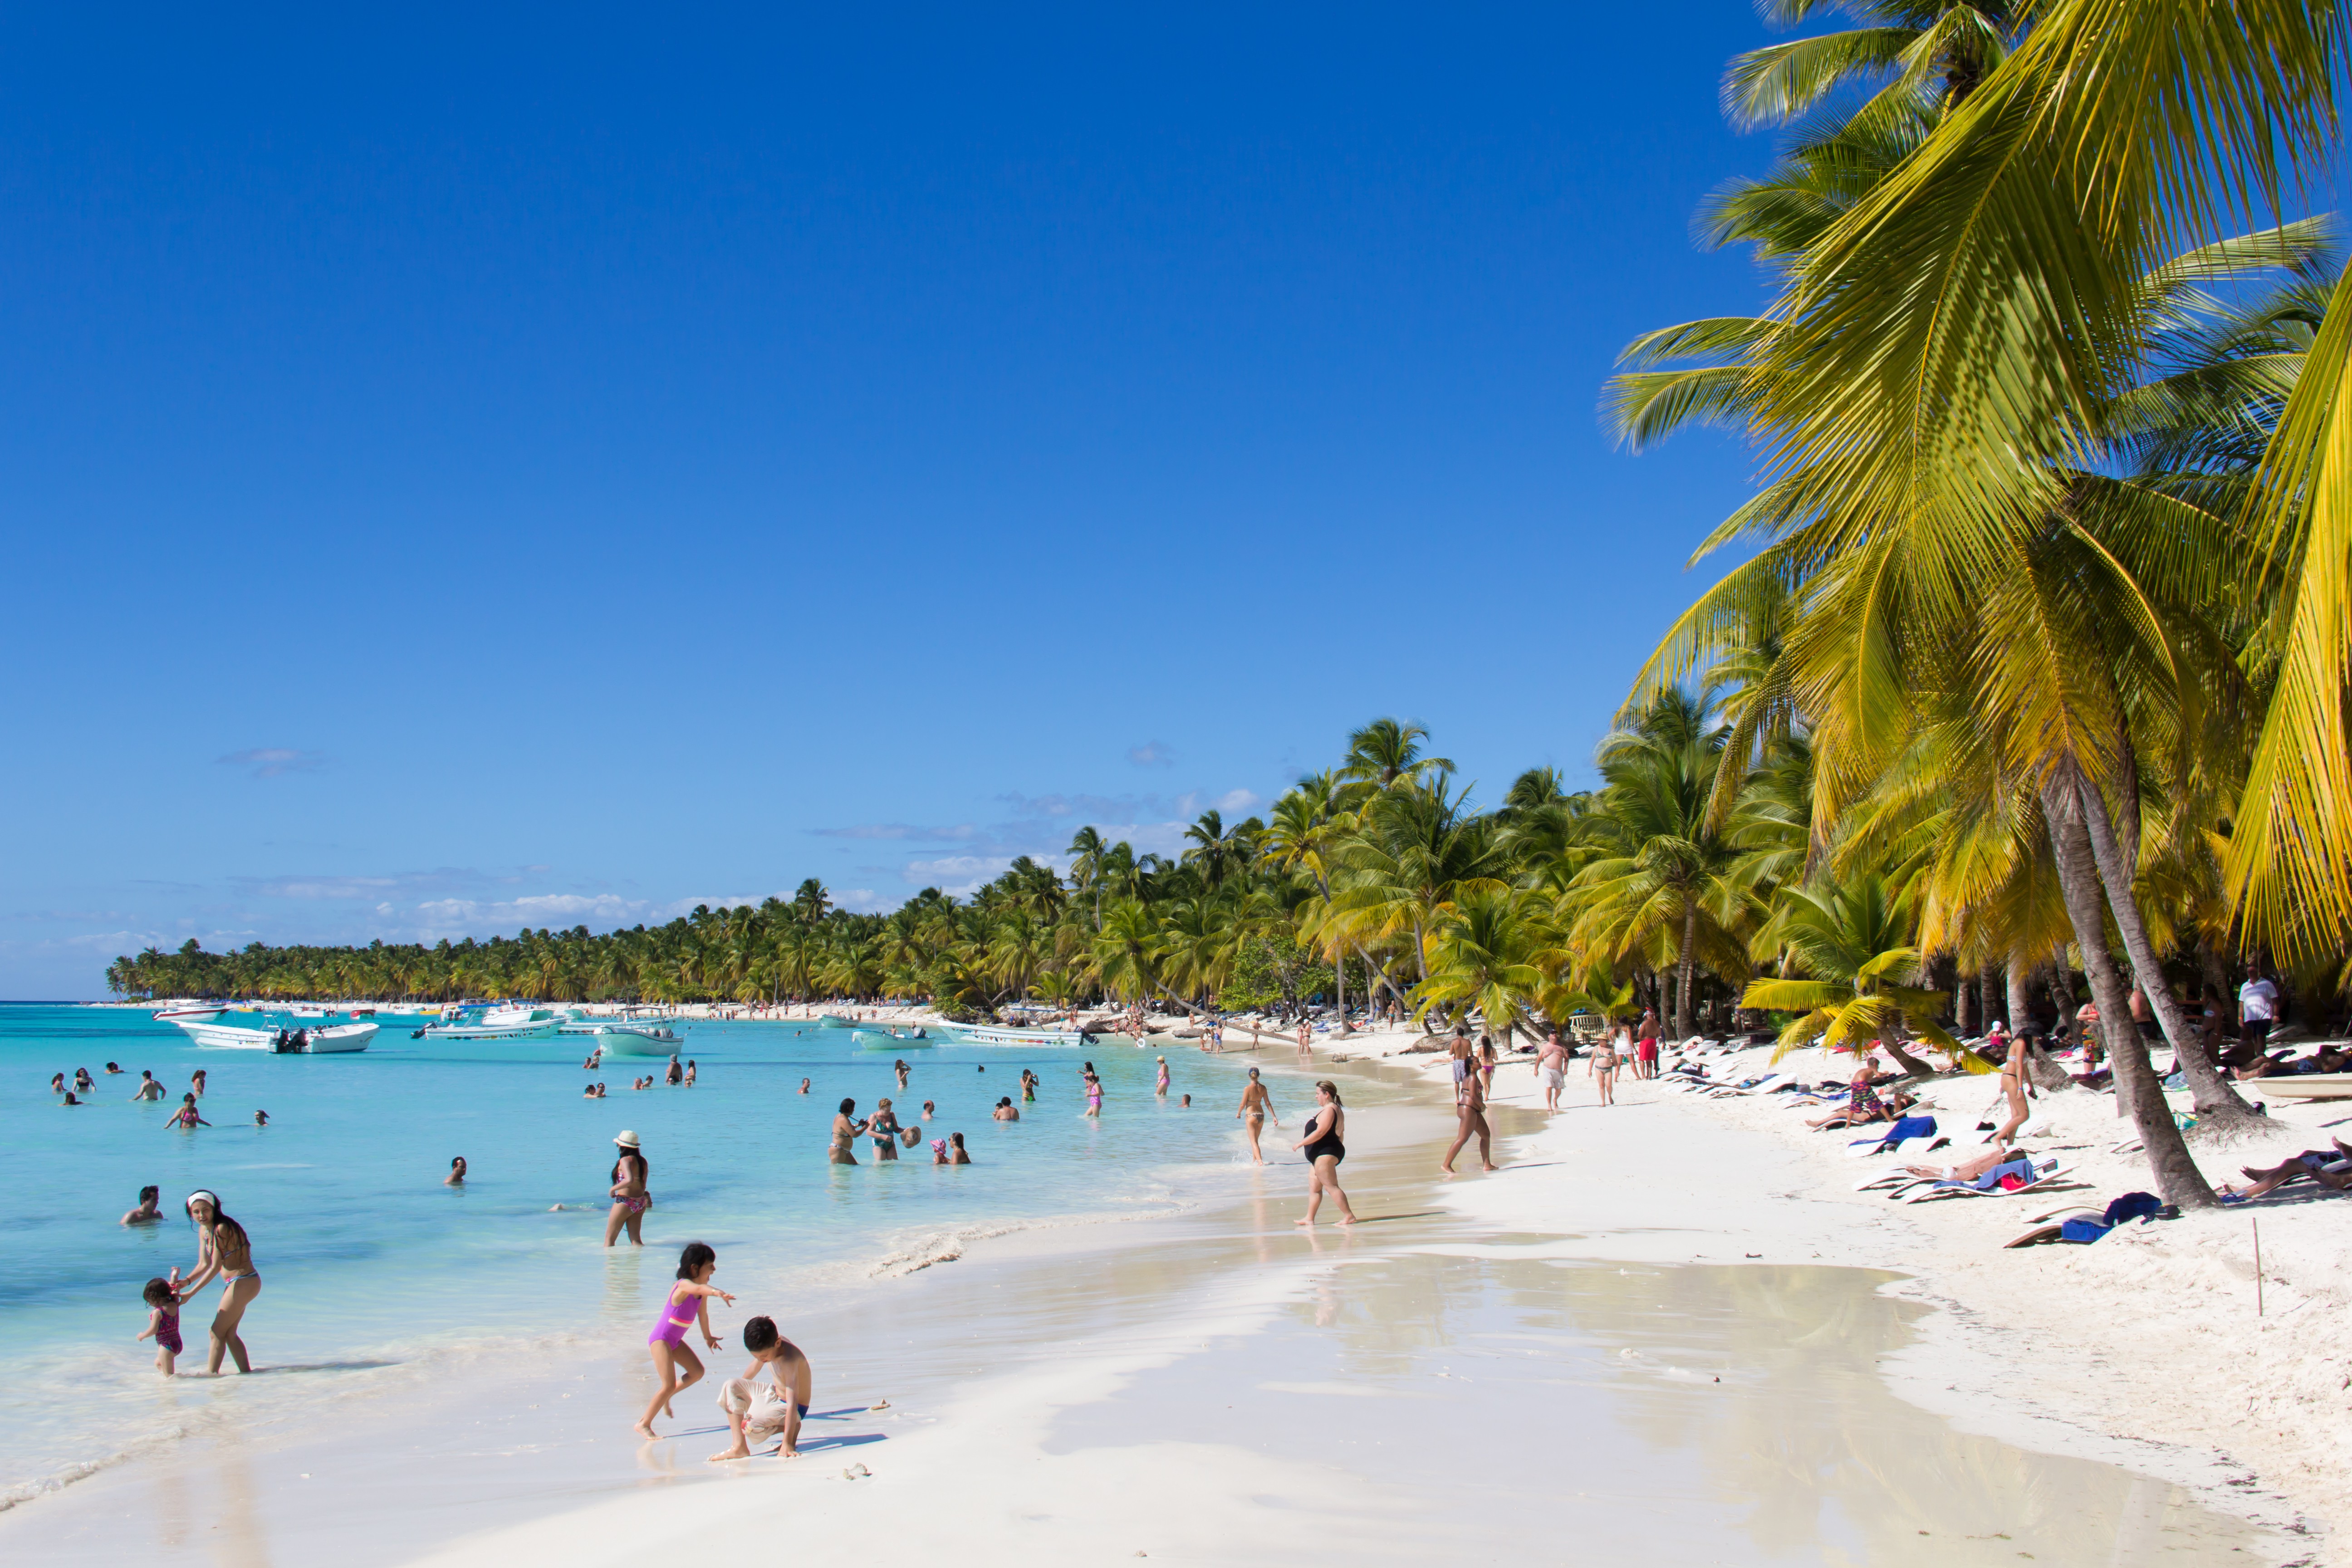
687, 1307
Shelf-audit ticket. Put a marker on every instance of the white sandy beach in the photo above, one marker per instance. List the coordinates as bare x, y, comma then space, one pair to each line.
1650, 1335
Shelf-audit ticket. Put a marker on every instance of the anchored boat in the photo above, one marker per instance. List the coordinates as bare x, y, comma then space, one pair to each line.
335, 1039
629, 1039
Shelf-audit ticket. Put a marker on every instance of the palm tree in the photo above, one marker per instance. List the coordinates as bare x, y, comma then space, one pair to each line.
1385, 751
1934, 50
1126, 952
1485, 954
1850, 939
1669, 874
1088, 857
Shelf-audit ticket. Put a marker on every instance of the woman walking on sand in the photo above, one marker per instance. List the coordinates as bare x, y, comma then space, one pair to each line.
1306, 1038
1256, 1107
1470, 1102
222, 1248
630, 1199
1319, 1140
1606, 1061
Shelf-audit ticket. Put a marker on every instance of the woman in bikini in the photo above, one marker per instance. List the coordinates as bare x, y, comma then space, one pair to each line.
1161, 1090
1094, 1090
844, 1134
1319, 1140
1256, 1107
1470, 1104
630, 1199
2013, 1086
1603, 1069
883, 1128
186, 1117
222, 1248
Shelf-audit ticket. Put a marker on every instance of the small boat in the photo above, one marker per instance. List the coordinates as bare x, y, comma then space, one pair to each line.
881, 1039
188, 1012
335, 1039
2306, 1085
834, 1021
997, 1035
544, 1029
628, 1039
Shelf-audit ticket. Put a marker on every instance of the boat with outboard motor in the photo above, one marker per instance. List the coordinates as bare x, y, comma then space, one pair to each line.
334, 1040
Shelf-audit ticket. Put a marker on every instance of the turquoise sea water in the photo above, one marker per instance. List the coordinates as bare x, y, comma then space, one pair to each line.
370, 1265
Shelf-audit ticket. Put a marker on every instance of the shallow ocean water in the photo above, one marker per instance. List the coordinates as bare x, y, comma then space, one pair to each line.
370, 1265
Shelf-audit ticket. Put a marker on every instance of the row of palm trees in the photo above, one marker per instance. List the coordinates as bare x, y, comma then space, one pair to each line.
2051, 553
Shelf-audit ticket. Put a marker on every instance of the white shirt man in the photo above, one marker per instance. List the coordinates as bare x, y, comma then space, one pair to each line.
2257, 1008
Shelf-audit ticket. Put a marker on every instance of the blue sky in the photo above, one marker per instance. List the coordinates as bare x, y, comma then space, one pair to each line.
470, 470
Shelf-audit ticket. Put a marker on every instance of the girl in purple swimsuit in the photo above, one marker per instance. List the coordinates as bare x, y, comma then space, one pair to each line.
687, 1306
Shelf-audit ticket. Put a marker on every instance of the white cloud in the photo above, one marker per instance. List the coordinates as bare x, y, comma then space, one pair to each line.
1152, 754
274, 762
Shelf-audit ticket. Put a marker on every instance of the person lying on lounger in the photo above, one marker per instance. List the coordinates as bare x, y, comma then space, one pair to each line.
2331, 1058
1863, 1105
2332, 1170
1967, 1170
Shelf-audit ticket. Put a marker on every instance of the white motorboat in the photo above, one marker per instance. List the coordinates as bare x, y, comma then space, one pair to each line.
995, 1034
188, 1012
636, 1039
508, 1017
544, 1029
335, 1039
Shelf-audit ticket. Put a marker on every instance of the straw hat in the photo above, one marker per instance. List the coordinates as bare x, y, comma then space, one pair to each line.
627, 1140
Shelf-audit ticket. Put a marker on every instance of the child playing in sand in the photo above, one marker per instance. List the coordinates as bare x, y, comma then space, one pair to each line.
162, 1299
687, 1306
758, 1411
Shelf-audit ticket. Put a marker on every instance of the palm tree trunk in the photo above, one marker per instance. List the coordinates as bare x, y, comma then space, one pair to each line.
1684, 1025
2169, 1160
1339, 983
2212, 1093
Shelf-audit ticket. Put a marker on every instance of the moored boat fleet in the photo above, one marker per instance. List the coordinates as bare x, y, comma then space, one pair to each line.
313, 1030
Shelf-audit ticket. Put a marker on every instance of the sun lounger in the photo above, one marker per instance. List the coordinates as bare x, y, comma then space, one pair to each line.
2043, 1176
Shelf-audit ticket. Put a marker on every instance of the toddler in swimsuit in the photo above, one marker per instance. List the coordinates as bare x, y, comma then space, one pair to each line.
162, 1299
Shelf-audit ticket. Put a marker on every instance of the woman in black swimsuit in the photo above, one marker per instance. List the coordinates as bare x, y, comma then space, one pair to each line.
1324, 1151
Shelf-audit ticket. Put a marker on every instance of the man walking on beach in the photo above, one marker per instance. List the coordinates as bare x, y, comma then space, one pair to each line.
1551, 1070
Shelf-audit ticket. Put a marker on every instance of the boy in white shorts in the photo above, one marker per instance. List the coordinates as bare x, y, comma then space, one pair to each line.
758, 1411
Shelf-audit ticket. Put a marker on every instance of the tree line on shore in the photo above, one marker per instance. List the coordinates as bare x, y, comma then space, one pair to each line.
2031, 684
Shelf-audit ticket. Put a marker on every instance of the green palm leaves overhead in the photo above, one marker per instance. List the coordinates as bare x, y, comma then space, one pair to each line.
1853, 953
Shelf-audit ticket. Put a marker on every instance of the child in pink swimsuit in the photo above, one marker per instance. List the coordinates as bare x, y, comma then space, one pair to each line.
162, 1299
688, 1305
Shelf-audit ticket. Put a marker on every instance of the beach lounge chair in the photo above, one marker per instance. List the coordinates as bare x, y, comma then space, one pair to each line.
2037, 1173
1910, 1132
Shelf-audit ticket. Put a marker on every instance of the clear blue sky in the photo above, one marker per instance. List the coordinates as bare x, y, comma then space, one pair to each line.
467, 468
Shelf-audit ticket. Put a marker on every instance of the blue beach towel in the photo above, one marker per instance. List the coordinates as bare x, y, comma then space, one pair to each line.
2141, 1206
